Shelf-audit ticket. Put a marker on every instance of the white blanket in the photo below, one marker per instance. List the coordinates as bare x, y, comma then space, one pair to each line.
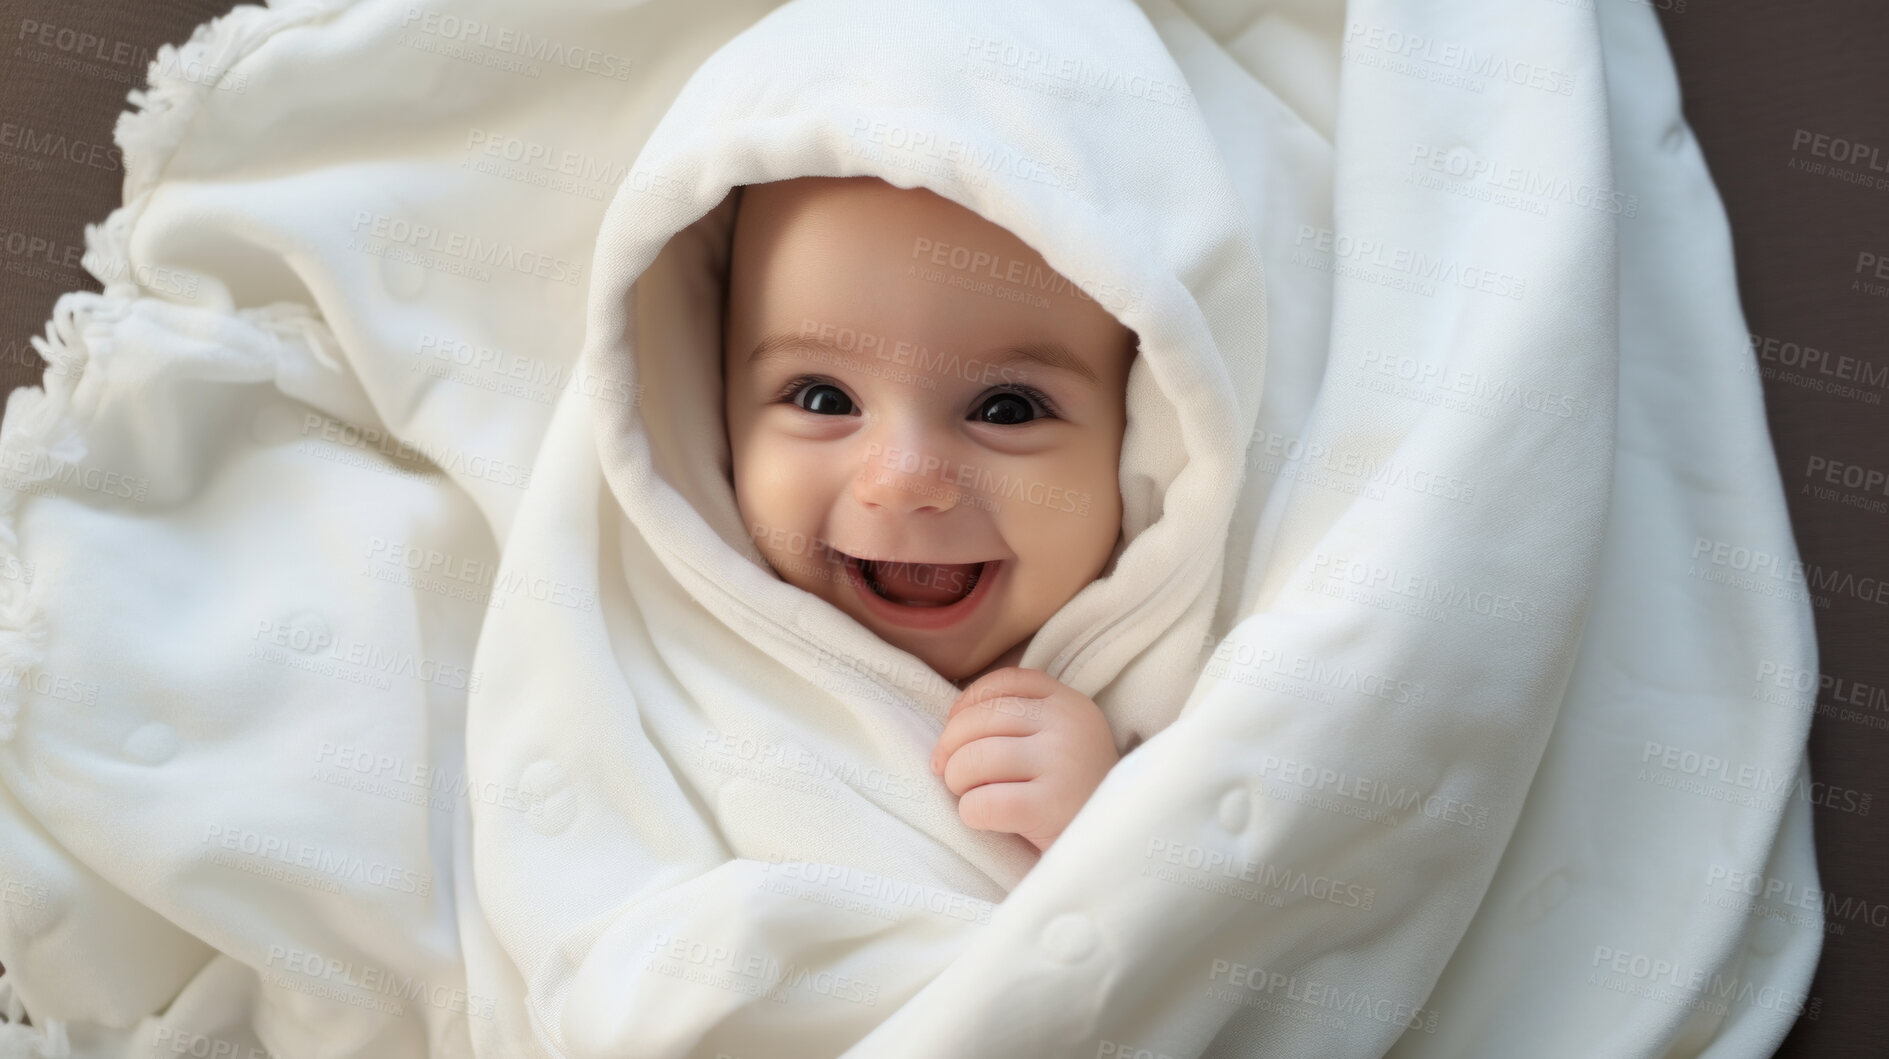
389, 673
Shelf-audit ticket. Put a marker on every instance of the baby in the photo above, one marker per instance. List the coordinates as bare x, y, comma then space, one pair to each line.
878, 397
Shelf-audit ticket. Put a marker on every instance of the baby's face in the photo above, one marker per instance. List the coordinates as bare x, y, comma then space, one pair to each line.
931, 457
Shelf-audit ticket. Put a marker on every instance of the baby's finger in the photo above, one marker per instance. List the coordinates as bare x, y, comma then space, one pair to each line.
1016, 808
1005, 716
994, 759
1010, 680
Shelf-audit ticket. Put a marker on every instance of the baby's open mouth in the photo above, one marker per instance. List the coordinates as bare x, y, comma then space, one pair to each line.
919, 584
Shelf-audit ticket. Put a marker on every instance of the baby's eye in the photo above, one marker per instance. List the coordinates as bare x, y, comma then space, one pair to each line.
823, 399
1012, 407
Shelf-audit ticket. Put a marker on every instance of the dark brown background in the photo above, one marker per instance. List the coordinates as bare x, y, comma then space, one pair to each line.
1753, 73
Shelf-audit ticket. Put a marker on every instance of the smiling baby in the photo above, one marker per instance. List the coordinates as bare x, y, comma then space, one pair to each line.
953, 453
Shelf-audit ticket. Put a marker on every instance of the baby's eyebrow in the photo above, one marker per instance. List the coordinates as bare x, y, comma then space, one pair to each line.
1049, 353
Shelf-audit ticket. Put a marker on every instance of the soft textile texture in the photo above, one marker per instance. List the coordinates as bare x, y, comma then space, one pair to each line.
391, 673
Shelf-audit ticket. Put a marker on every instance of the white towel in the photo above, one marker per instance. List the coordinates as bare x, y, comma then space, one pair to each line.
392, 673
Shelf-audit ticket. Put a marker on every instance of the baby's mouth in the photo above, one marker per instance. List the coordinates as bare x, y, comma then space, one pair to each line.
919, 584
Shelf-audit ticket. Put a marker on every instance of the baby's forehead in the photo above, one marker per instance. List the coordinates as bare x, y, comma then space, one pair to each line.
1010, 360
850, 266
863, 229
861, 204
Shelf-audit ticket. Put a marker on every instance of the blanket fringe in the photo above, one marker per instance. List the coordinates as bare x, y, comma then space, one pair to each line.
39, 436
180, 77
43, 434
17, 1041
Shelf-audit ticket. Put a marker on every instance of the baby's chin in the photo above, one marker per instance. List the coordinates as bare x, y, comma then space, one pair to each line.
944, 652
1004, 659
950, 656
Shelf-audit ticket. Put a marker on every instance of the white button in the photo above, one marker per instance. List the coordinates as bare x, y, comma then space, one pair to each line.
545, 787
309, 632
152, 744
36, 908
1235, 809
1544, 897
1069, 938
402, 279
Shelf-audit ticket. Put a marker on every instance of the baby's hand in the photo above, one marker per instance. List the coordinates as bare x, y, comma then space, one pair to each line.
1023, 752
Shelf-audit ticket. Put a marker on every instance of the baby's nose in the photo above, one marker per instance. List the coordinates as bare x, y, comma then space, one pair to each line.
905, 479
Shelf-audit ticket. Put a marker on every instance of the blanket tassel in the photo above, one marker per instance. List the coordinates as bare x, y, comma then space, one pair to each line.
37, 439
21, 1041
